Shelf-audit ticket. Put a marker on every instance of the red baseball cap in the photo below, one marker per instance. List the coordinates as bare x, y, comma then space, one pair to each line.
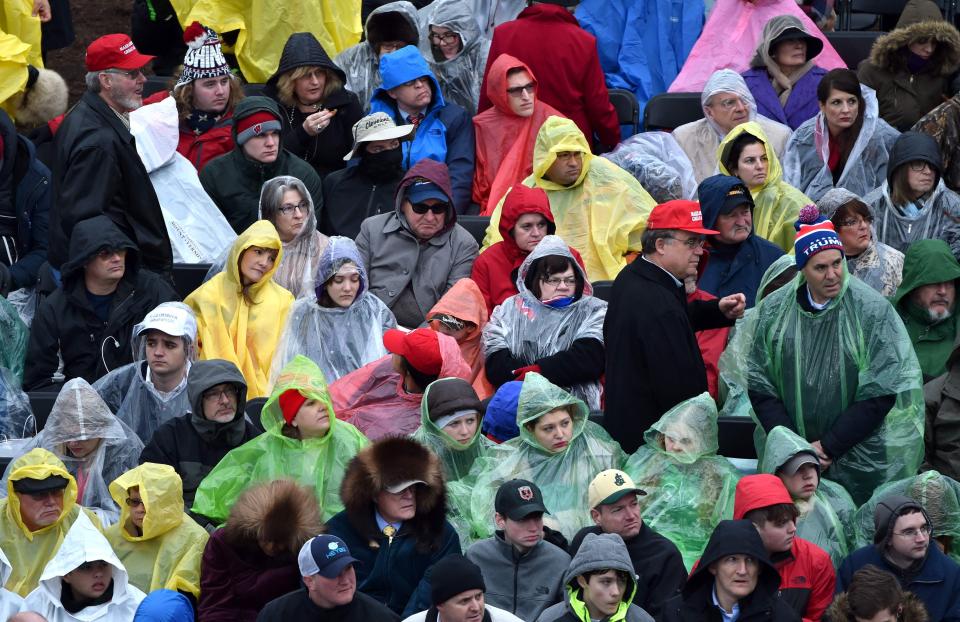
115, 52
679, 214
420, 347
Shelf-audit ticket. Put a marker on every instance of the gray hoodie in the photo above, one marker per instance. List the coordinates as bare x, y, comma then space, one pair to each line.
598, 552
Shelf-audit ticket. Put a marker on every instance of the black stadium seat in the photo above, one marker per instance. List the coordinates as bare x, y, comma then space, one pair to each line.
853, 46
476, 225
254, 88
41, 403
252, 410
155, 84
188, 277
627, 107
601, 289
668, 111
735, 436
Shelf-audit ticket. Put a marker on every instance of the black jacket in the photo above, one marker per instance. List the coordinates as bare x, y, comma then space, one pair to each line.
66, 320
325, 151
653, 360
695, 602
193, 445
97, 170
297, 607
657, 562
351, 197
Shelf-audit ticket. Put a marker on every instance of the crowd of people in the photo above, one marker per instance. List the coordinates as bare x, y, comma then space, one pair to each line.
464, 350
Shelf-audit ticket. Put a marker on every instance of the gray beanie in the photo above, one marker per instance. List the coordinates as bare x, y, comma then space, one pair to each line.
888, 510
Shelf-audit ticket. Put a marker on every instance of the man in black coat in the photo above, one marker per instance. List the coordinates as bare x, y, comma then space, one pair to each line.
96, 169
653, 360
89, 319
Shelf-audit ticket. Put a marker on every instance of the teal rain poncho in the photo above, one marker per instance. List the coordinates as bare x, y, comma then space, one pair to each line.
822, 518
818, 365
563, 477
14, 335
938, 494
315, 462
688, 491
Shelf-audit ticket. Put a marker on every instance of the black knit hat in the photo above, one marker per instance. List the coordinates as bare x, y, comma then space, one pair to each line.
449, 396
888, 510
452, 575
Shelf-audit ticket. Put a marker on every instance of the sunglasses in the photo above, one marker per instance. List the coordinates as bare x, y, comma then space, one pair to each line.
134, 503
436, 208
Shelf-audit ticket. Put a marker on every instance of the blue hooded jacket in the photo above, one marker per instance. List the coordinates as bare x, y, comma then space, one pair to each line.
445, 133
500, 420
164, 606
732, 269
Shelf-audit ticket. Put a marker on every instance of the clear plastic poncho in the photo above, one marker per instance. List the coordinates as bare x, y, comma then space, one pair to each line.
301, 255
339, 340
460, 76
532, 330
562, 477
14, 336
658, 162
938, 494
602, 214
824, 517
939, 218
819, 364
79, 414
318, 463
16, 415
168, 554
690, 490
808, 151
776, 203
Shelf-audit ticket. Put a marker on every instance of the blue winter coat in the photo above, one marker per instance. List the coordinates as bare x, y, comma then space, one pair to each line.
937, 584
445, 134
732, 269
801, 105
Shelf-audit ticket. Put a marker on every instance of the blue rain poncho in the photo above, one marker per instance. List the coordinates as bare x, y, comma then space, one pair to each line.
339, 340
825, 515
658, 162
817, 365
689, 490
460, 76
563, 477
532, 330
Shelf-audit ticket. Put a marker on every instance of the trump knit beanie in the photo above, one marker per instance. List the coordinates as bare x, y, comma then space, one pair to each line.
814, 234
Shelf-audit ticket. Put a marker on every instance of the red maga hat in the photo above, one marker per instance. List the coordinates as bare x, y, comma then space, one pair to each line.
679, 214
115, 52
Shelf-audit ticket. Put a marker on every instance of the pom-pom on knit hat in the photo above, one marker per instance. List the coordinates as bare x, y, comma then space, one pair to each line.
204, 57
814, 234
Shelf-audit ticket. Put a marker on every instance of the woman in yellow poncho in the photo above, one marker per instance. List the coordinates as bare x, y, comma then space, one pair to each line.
159, 545
746, 153
241, 312
601, 213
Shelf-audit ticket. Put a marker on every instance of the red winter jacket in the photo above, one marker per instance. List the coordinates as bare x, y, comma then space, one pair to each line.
712, 343
201, 148
807, 576
565, 61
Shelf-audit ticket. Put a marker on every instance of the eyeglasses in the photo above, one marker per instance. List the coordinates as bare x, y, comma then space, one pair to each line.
215, 396
727, 104
918, 165
853, 222
517, 91
108, 253
691, 243
134, 503
447, 38
287, 208
393, 144
436, 208
133, 74
556, 281
913, 532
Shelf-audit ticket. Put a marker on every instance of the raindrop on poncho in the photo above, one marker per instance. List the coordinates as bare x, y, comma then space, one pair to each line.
818, 365
14, 336
825, 518
315, 462
79, 414
563, 477
689, 490
339, 340
168, 554
658, 162
460, 76
16, 415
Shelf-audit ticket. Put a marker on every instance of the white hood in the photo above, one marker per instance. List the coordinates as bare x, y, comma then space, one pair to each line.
10, 602
156, 128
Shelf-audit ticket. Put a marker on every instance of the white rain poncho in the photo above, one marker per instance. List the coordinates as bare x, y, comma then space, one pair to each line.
339, 340
879, 266
690, 490
79, 414
460, 76
16, 415
532, 330
10, 602
808, 151
361, 62
825, 518
658, 162
818, 365
83, 543
563, 477
939, 218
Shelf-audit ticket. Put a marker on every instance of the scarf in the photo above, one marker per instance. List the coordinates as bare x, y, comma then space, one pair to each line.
201, 122
782, 83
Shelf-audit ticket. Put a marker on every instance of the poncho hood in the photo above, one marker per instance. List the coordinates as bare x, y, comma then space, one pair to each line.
726, 81
759, 491
303, 50
834, 199
519, 201
734, 537
783, 444
428, 425
262, 233
39, 464
465, 301
162, 492
774, 170
79, 414
558, 134
164, 606
692, 424
926, 262
394, 21
500, 419
778, 267
549, 245
890, 50
776, 27
497, 83
402, 66
457, 459
458, 17
339, 251
538, 396
302, 375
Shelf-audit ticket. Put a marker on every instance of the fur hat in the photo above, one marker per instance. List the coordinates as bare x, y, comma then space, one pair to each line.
44, 99
386, 463
282, 512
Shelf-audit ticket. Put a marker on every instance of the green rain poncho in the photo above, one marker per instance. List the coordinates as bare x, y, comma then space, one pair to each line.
563, 477
691, 489
817, 365
315, 462
14, 335
822, 518
938, 494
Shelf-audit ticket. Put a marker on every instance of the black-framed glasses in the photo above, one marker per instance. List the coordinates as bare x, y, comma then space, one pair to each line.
108, 253
287, 208
133, 74
691, 243
448, 37
527, 88
215, 396
436, 208
557, 281
918, 165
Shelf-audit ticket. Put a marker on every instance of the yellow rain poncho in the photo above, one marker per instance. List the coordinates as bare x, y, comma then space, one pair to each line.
230, 328
776, 203
14, 60
263, 26
602, 214
167, 555
315, 462
29, 551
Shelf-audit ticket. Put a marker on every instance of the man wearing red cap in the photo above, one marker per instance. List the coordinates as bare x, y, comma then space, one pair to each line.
653, 360
96, 169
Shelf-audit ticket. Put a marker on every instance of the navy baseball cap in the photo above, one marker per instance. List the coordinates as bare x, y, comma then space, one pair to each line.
324, 555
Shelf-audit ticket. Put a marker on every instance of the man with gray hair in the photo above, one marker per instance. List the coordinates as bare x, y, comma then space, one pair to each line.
96, 168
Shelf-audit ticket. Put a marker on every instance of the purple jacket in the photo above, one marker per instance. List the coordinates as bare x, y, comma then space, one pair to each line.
801, 105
